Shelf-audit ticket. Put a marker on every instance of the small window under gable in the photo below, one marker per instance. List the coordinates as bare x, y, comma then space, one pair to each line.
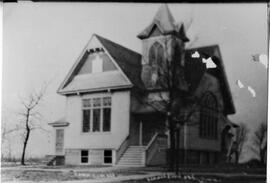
96, 61
97, 64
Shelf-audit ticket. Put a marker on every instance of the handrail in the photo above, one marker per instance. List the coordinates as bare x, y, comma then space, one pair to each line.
152, 147
152, 141
122, 148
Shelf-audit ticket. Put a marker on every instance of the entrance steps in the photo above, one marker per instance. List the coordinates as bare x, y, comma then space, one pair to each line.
133, 157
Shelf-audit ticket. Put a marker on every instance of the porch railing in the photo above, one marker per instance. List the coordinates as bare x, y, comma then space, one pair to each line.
154, 145
123, 147
151, 148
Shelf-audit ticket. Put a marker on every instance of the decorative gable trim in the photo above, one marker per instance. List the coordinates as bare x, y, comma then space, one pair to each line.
114, 62
85, 51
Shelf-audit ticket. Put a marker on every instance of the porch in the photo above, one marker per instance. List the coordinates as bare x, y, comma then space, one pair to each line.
146, 144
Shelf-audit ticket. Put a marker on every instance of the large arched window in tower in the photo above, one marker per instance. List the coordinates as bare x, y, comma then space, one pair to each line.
156, 55
209, 116
156, 60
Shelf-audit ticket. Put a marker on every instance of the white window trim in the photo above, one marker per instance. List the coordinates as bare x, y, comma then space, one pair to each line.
91, 114
88, 159
104, 157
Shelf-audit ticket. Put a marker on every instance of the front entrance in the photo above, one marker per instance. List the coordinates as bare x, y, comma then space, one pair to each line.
59, 142
144, 127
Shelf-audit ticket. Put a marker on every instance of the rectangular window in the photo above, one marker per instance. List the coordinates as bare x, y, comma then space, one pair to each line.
106, 119
96, 114
208, 125
86, 121
87, 103
107, 101
96, 120
84, 156
108, 156
96, 102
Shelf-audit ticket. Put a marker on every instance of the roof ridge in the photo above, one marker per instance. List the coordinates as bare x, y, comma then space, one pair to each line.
128, 49
127, 59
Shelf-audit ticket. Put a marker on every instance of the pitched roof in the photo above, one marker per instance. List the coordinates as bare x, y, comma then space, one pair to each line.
128, 60
213, 51
194, 71
165, 23
164, 18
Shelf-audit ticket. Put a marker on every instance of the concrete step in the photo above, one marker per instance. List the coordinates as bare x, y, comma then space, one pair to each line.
136, 150
133, 157
133, 154
130, 163
118, 165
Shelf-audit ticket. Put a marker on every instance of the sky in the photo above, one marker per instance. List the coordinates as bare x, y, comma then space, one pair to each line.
41, 41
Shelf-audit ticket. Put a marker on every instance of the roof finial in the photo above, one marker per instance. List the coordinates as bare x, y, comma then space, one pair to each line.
164, 21
164, 16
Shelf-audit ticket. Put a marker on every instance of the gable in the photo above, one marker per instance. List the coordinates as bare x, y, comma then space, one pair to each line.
209, 83
219, 73
155, 31
95, 69
128, 60
98, 62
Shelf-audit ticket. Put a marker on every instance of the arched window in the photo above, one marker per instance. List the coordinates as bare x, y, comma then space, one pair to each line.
156, 55
209, 116
156, 62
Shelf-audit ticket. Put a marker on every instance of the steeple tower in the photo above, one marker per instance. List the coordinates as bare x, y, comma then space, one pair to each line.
160, 40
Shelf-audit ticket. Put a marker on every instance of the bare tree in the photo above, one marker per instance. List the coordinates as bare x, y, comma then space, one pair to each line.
30, 116
261, 140
172, 94
241, 138
6, 133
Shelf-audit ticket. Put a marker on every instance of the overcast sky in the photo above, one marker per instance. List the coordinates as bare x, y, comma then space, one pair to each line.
43, 40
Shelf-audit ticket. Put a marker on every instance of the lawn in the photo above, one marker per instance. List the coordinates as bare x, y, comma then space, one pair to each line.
200, 179
57, 175
31, 175
204, 174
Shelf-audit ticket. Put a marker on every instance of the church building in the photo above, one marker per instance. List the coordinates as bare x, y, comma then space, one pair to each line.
117, 101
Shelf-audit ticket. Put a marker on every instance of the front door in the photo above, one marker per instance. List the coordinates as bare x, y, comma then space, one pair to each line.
59, 141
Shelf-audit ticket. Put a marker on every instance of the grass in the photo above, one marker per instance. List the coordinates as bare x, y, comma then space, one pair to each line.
57, 175
19, 175
41, 173
219, 168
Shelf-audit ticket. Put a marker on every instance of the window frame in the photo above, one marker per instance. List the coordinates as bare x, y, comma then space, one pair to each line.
111, 156
156, 60
101, 108
82, 156
208, 125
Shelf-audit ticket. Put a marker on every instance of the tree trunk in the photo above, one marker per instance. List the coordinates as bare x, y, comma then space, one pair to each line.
26, 137
177, 151
262, 154
172, 145
24, 146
